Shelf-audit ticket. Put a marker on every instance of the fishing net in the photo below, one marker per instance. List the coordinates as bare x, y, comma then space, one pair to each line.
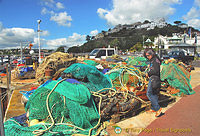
64, 101
55, 61
178, 77
90, 76
137, 61
91, 62
68, 103
13, 128
116, 103
114, 58
123, 76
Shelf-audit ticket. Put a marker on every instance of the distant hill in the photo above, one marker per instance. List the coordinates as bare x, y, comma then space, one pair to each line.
127, 38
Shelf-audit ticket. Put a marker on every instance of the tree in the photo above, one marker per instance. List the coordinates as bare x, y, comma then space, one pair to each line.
114, 42
93, 37
146, 22
177, 22
136, 47
74, 49
60, 49
88, 38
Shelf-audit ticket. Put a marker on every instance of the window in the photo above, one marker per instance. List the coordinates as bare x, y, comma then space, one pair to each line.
94, 52
181, 54
101, 53
110, 52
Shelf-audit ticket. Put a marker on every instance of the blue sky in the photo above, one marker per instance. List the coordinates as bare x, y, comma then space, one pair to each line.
67, 22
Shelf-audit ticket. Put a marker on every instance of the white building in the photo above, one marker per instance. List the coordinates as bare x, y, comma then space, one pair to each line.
166, 42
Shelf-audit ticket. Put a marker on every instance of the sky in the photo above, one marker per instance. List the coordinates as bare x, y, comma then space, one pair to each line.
68, 22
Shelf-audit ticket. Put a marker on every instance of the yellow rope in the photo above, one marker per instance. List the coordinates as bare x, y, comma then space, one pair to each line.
64, 106
90, 131
40, 132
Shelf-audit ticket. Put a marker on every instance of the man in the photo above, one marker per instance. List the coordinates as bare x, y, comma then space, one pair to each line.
154, 81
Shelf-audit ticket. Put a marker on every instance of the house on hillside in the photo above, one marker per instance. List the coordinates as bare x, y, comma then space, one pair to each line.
99, 35
165, 42
183, 25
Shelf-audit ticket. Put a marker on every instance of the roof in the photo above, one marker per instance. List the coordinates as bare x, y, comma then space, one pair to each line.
174, 38
183, 45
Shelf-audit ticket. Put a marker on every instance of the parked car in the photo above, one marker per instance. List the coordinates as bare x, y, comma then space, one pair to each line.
102, 53
180, 56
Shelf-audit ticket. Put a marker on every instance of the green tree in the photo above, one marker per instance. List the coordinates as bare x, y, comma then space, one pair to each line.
136, 47
93, 37
74, 49
60, 49
177, 22
88, 38
114, 42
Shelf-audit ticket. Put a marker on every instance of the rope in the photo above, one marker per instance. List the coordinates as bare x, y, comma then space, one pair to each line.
64, 106
90, 131
40, 132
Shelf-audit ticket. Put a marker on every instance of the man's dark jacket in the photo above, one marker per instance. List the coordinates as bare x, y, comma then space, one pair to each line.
154, 74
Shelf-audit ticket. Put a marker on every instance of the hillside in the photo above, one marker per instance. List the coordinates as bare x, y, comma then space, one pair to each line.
127, 38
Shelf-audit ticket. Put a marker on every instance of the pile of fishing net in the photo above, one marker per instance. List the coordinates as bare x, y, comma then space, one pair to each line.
177, 76
114, 58
91, 62
90, 76
124, 77
55, 61
114, 102
63, 106
137, 61
23, 72
129, 79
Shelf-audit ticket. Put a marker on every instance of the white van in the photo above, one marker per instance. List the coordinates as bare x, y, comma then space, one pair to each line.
102, 53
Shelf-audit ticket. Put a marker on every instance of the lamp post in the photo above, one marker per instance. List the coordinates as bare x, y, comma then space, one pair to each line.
39, 21
21, 48
21, 53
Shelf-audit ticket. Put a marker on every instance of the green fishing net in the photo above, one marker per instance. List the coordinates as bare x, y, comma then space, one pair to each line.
13, 128
72, 102
69, 103
129, 76
178, 77
91, 76
91, 62
137, 61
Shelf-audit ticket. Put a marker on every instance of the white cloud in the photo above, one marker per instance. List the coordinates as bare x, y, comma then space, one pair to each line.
56, 43
74, 40
197, 2
59, 5
193, 15
52, 4
44, 11
94, 32
48, 3
1, 26
44, 33
194, 23
11, 37
130, 11
62, 19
